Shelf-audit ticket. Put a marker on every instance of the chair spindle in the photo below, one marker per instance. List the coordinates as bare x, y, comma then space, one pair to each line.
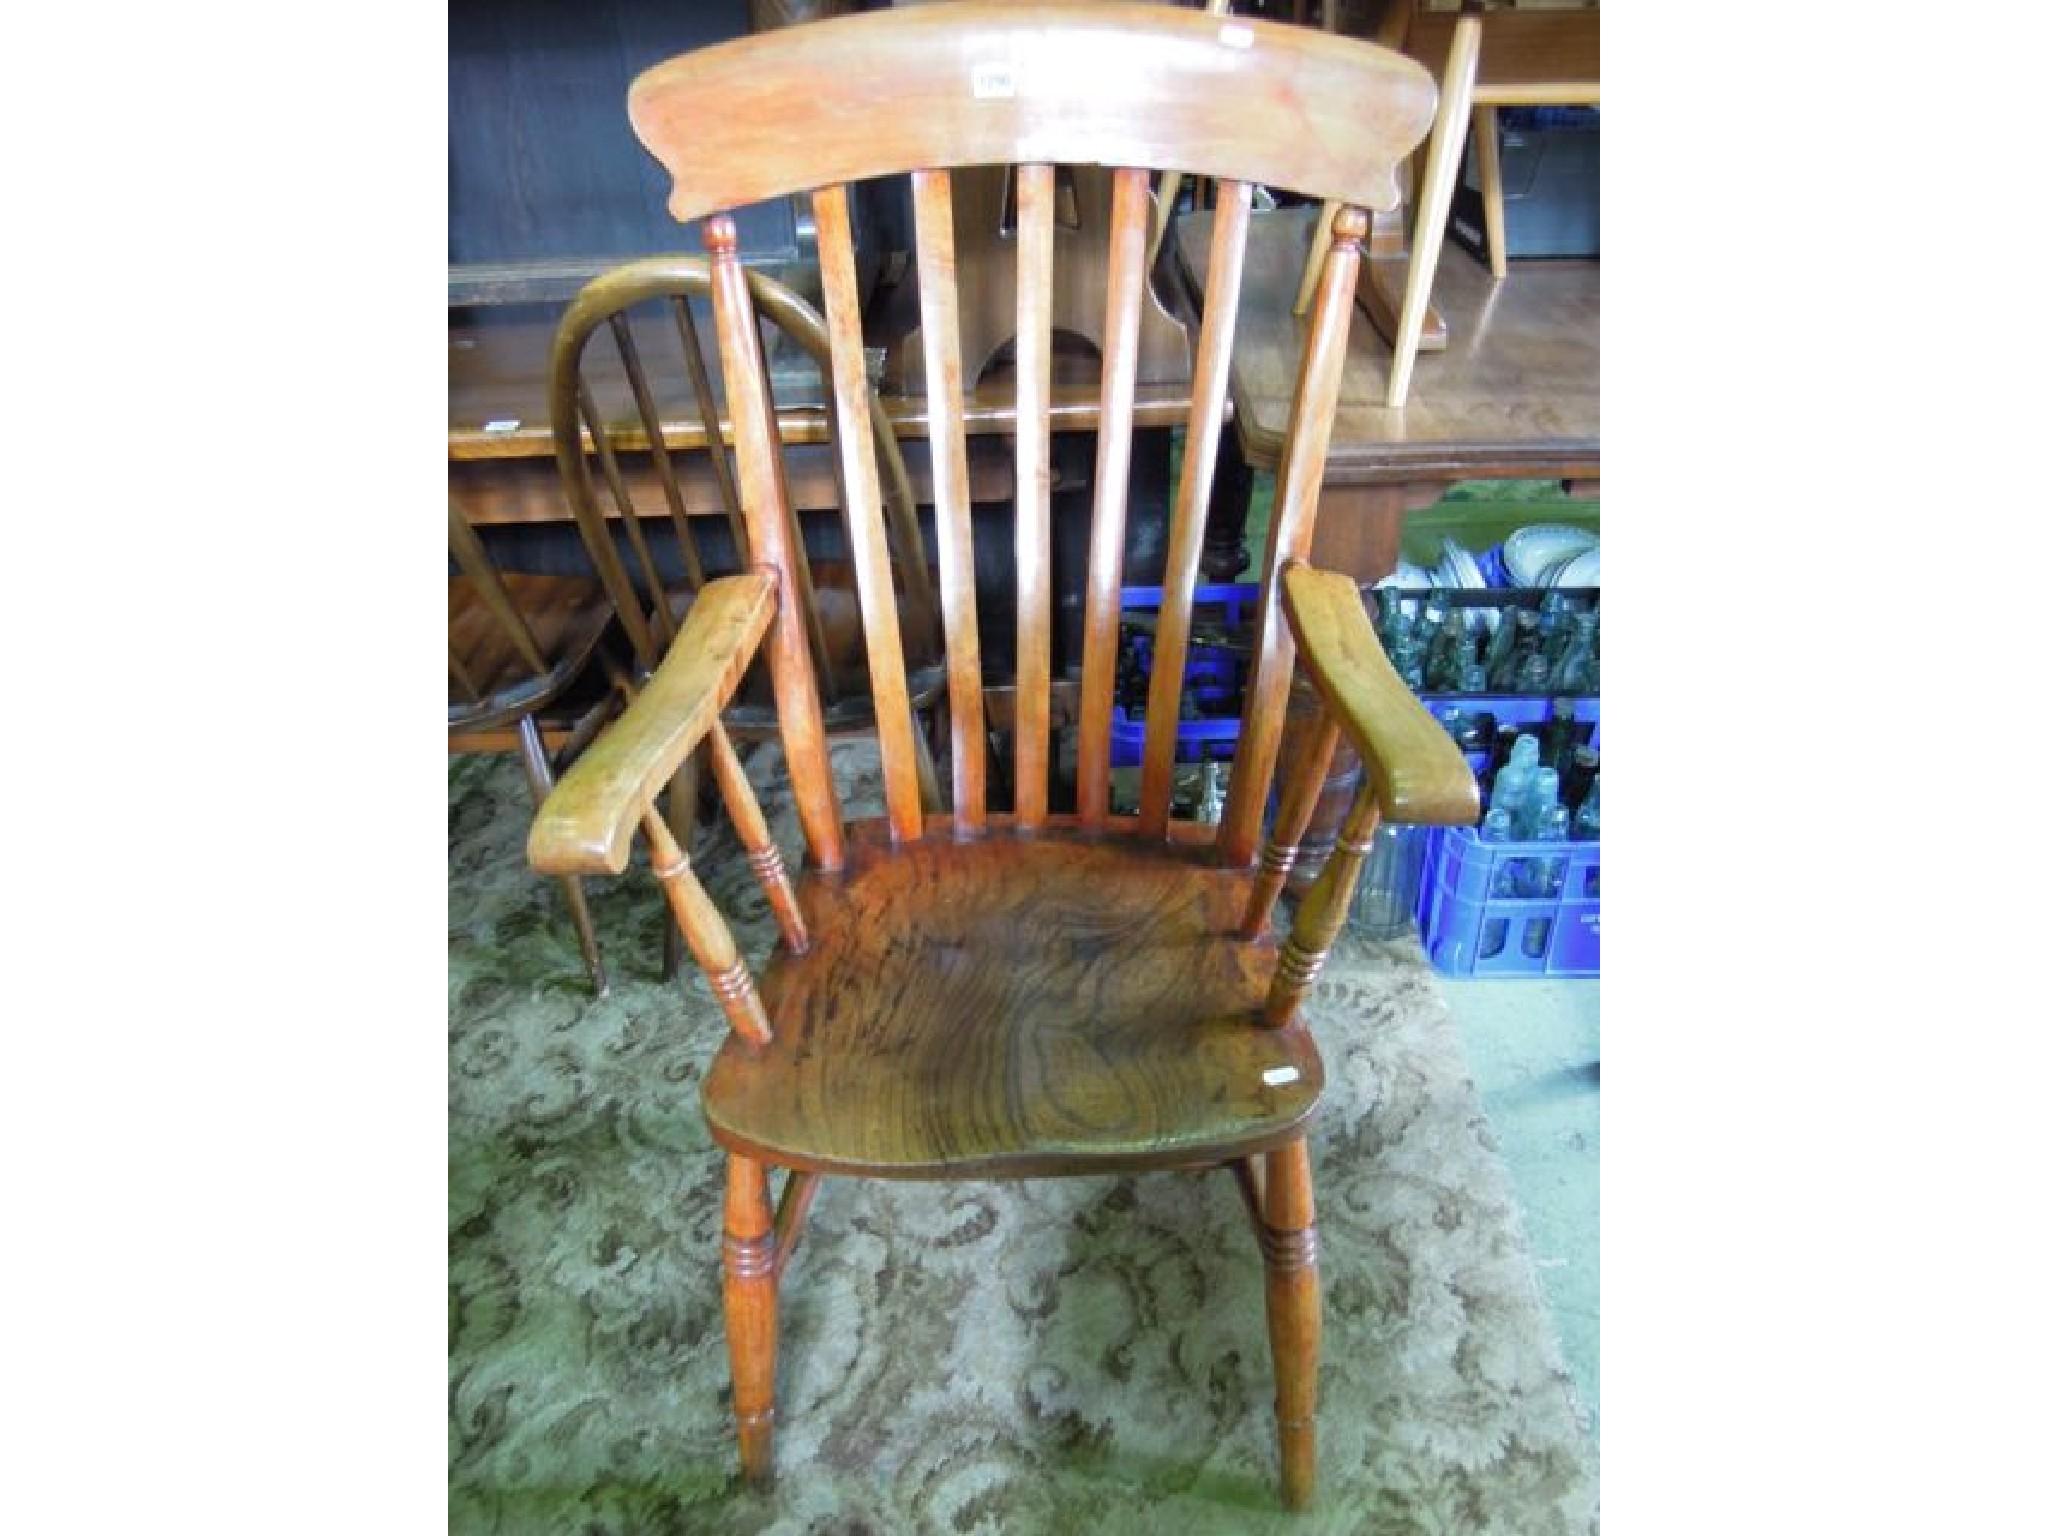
707, 417
1034, 493
1129, 208
939, 313
1297, 805
1191, 503
664, 621
762, 854
861, 497
705, 929
769, 529
657, 449
1295, 497
1323, 911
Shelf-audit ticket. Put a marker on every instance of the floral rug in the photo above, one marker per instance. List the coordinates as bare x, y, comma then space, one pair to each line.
1057, 1355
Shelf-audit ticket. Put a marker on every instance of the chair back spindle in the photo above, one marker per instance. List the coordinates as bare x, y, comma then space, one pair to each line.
1130, 207
939, 304
861, 496
1191, 503
657, 449
707, 421
1035, 185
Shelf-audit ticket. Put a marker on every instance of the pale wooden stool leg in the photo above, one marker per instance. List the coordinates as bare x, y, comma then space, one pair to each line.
1294, 1314
1486, 126
1432, 208
539, 780
750, 1312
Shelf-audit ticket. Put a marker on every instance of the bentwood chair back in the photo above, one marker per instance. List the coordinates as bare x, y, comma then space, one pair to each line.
646, 413
1016, 993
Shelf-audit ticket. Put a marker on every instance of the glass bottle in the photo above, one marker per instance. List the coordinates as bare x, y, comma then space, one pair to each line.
1512, 783
1573, 672
1554, 825
1500, 655
1586, 821
1387, 598
1578, 776
1536, 802
1498, 826
1532, 673
1560, 733
1407, 660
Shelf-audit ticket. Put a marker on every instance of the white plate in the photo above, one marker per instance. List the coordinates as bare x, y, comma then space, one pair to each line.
1528, 552
1582, 570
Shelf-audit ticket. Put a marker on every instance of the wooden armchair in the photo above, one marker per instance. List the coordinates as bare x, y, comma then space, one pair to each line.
999, 994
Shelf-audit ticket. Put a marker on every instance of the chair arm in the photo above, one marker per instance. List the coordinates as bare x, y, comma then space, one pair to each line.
586, 825
1416, 772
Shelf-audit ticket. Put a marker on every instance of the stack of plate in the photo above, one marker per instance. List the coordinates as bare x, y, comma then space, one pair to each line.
1457, 568
1552, 555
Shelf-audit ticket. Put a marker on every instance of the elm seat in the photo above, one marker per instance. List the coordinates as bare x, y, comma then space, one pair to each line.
1014, 1006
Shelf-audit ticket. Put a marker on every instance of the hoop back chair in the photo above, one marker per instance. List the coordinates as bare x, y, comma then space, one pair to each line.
516, 642
1017, 994
607, 415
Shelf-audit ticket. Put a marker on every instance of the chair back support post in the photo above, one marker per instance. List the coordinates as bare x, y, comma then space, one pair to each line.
1296, 495
765, 501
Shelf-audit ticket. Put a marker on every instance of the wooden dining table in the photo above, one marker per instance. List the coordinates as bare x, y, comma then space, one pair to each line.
1514, 395
501, 445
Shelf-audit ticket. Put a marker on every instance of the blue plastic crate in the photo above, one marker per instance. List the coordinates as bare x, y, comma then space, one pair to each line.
1213, 677
1475, 914
1510, 908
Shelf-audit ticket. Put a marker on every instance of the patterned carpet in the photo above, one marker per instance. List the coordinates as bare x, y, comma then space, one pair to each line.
1053, 1356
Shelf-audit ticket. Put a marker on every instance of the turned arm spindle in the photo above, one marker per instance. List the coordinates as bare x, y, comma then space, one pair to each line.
752, 827
709, 938
1323, 911
1297, 805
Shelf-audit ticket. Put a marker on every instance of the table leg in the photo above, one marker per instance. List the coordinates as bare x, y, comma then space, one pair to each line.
1224, 551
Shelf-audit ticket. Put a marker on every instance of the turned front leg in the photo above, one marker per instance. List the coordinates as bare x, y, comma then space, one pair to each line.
1294, 1314
750, 1312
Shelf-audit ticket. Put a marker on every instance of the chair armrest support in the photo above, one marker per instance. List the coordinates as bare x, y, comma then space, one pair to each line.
586, 825
1416, 772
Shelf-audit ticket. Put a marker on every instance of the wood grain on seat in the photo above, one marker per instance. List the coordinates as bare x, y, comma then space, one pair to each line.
1020, 1005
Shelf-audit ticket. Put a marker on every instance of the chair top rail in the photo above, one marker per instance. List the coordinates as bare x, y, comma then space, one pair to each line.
980, 83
